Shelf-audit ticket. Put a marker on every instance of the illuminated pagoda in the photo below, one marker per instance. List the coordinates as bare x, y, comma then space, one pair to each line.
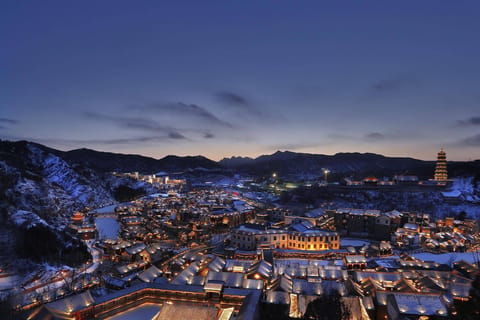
441, 168
77, 218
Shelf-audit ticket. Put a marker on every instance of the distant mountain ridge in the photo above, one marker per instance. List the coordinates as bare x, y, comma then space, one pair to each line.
288, 162
109, 161
307, 164
282, 162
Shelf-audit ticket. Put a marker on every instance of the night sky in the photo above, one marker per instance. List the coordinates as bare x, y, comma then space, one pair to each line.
223, 78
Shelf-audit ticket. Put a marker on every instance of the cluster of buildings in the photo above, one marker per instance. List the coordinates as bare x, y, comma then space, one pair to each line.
158, 179
152, 228
214, 254
440, 177
406, 230
443, 235
215, 287
300, 236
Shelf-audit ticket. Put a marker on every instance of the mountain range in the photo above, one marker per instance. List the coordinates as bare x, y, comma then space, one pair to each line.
282, 162
40, 187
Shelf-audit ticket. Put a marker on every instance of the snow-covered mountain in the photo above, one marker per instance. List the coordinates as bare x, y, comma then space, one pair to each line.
39, 191
33, 179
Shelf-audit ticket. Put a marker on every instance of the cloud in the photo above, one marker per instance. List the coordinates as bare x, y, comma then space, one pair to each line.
142, 124
208, 135
340, 136
117, 141
9, 121
393, 136
375, 136
473, 141
472, 121
124, 140
182, 109
176, 135
238, 102
293, 146
392, 84
232, 98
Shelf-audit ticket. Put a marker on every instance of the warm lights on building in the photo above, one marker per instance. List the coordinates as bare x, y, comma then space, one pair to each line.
441, 168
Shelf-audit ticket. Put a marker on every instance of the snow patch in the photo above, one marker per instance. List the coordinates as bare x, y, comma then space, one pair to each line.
27, 219
446, 258
353, 242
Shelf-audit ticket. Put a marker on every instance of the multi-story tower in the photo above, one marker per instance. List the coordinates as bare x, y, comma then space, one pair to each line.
441, 168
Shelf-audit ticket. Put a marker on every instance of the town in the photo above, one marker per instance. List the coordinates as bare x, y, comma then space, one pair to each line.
221, 253
239, 160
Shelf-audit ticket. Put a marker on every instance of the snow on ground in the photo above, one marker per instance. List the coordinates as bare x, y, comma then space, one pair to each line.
44, 277
27, 219
306, 262
451, 210
446, 258
463, 185
155, 195
453, 193
51, 287
107, 227
107, 209
345, 242
7, 283
143, 312
96, 256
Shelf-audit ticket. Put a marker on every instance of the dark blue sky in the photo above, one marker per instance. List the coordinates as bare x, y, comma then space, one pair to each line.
223, 78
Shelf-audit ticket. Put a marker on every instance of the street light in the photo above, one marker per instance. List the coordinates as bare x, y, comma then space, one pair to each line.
326, 172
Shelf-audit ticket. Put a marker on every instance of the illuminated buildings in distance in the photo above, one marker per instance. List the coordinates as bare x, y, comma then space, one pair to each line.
441, 168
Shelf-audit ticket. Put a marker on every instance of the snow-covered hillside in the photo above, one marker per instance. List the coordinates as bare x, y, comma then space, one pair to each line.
44, 184
468, 195
39, 191
465, 189
460, 197
37, 181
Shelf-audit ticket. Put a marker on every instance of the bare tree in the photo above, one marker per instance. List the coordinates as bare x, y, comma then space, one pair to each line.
68, 278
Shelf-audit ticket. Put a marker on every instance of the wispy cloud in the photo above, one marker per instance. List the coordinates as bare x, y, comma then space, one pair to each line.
208, 135
117, 141
232, 98
181, 109
5, 122
375, 136
392, 136
473, 141
472, 121
391, 84
9, 121
238, 102
142, 124
294, 146
394, 84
